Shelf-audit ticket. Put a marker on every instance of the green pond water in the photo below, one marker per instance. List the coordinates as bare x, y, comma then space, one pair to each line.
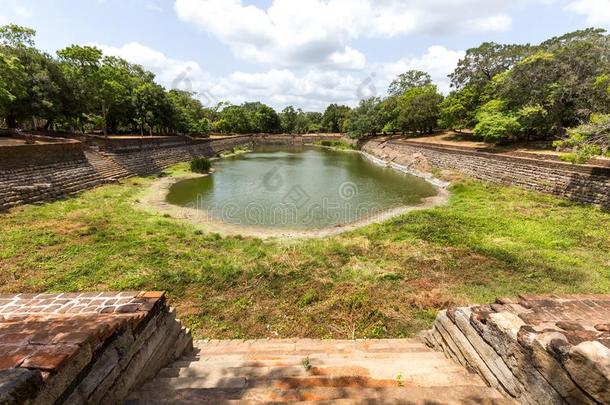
298, 188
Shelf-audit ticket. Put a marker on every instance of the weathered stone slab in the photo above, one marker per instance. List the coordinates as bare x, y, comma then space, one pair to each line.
538, 348
19, 385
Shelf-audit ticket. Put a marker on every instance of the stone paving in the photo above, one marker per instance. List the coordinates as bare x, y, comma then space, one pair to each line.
43, 331
54, 336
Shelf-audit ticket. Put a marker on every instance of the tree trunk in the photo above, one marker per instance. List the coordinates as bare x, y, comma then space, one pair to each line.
11, 121
105, 116
48, 125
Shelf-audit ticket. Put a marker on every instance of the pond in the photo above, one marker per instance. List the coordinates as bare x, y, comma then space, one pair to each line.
300, 188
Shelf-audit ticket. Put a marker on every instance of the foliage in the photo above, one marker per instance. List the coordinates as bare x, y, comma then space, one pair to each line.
408, 80
366, 119
201, 165
457, 111
494, 123
588, 140
337, 144
334, 118
482, 63
418, 109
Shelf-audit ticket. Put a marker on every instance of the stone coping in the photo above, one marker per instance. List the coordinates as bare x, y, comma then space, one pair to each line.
44, 331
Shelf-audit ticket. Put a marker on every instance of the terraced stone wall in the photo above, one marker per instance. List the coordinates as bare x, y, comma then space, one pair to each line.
581, 183
71, 171
17, 157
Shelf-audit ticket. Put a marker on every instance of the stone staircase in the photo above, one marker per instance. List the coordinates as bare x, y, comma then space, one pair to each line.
106, 167
316, 372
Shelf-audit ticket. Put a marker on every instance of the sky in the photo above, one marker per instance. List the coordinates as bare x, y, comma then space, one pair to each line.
305, 53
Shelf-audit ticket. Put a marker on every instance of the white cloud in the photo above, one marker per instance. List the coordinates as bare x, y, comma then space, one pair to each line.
596, 11
318, 33
14, 9
438, 61
311, 89
153, 7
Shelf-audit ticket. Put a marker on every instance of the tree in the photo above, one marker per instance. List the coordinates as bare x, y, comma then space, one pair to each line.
288, 119
458, 109
482, 63
262, 118
418, 109
495, 123
366, 119
234, 118
111, 82
409, 80
151, 106
12, 81
314, 120
15, 36
334, 117
80, 66
188, 114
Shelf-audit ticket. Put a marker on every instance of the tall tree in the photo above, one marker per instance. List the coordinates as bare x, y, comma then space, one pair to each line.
409, 80
334, 117
418, 109
482, 63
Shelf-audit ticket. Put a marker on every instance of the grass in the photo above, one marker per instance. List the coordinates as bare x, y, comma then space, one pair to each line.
338, 145
385, 280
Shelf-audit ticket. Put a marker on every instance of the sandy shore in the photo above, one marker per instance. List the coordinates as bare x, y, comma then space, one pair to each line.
155, 201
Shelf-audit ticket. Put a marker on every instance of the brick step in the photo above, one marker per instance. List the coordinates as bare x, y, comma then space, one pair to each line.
320, 395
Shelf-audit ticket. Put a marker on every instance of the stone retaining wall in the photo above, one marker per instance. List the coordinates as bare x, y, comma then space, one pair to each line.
40, 181
536, 349
581, 183
84, 348
17, 157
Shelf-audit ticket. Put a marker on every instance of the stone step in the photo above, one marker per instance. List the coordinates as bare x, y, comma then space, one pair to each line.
261, 359
318, 395
334, 346
211, 378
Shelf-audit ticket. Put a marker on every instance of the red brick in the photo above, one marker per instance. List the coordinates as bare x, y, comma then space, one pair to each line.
50, 358
151, 294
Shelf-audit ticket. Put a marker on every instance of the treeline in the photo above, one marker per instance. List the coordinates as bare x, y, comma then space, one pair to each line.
557, 90
81, 89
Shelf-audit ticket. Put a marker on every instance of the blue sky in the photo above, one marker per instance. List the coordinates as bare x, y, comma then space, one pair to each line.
307, 53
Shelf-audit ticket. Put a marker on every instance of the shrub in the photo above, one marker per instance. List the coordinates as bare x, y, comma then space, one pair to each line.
201, 165
588, 140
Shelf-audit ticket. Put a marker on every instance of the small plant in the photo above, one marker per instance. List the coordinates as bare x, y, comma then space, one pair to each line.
400, 380
201, 165
306, 363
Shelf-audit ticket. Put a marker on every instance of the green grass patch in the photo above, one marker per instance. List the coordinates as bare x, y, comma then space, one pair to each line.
201, 165
339, 145
384, 280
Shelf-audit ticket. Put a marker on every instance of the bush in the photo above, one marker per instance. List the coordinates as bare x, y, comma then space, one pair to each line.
588, 140
201, 165
497, 127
